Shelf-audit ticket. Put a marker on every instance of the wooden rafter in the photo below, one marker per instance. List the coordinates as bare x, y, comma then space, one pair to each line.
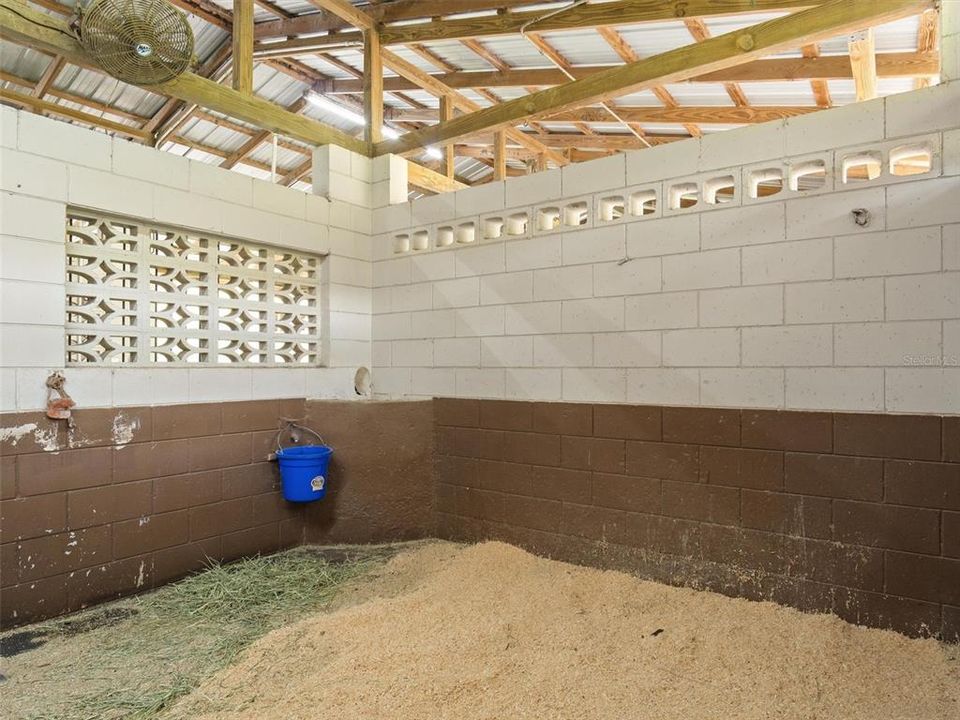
863, 61
734, 48
242, 36
447, 162
23, 24
372, 86
256, 140
700, 32
819, 86
49, 76
928, 39
833, 67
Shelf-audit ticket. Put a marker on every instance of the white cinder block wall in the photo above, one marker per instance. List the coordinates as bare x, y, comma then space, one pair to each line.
780, 301
46, 165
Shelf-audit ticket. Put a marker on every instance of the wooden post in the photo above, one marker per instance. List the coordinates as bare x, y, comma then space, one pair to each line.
863, 62
446, 113
243, 46
500, 155
372, 86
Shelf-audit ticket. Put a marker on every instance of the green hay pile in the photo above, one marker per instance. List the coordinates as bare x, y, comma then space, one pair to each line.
145, 652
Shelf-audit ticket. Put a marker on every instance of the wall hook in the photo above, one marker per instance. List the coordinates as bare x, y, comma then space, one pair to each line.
861, 216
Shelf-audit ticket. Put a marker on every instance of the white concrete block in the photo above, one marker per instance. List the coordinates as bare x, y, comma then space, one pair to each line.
278, 199
924, 110
159, 386
433, 382
626, 349
32, 175
951, 152
179, 207
8, 376
638, 276
31, 389
285, 382
665, 310
392, 326
855, 389
411, 297
663, 161
713, 268
63, 141
835, 301
31, 303
331, 383
951, 247
927, 202
594, 175
9, 119
760, 142
797, 345
350, 298
433, 324
391, 217
563, 350
923, 390
220, 384
481, 260
215, 182
534, 384
350, 326
380, 353
349, 271
89, 387
456, 352
361, 167
664, 386
891, 343
485, 383
318, 209
507, 352
33, 260
832, 213
747, 225
246, 222
741, 306
600, 244
412, 353
461, 292
533, 253
392, 382
348, 353
563, 283
480, 199
788, 262
951, 343
480, 321
31, 346
593, 315
532, 189
701, 348
29, 217
897, 252
532, 318
113, 193
384, 167
594, 385
920, 297
852, 124
392, 272
146, 163
432, 266
514, 287
433, 209
663, 236
742, 387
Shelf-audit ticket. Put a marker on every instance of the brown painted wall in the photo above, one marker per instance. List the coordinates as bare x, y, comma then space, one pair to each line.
137, 497
858, 515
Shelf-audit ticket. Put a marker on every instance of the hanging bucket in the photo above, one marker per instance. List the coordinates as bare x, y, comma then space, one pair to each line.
303, 470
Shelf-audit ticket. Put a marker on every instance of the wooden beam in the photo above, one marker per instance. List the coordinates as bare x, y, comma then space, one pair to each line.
701, 114
243, 46
832, 67
49, 76
447, 163
820, 87
563, 141
256, 140
500, 155
426, 179
42, 106
734, 48
700, 32
928, 39
348, 12
22, 24
372, 86
863, 62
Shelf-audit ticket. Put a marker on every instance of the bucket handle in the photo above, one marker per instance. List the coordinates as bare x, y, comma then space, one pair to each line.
290, 424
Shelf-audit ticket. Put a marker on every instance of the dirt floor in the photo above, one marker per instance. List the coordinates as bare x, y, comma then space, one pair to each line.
491, 632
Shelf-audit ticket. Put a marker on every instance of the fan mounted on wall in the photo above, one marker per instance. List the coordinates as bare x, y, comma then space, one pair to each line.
142, 42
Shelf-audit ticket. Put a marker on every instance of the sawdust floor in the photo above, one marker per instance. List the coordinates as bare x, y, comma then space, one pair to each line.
489, 631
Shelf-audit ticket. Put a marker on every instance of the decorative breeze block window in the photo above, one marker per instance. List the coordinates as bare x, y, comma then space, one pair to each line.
139, 293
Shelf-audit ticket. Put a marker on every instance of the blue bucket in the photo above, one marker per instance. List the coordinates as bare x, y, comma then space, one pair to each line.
303, 472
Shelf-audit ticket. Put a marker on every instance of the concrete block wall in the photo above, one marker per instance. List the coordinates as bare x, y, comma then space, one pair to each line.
779, 301
46, 165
